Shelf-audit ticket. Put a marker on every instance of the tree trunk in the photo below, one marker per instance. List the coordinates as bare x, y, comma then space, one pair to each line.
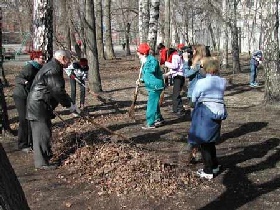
212, 36
11, 194
234, 41
5, 81
108, 31
91, 50
167, 38
153, 25
99, 30
271, 51
43, 27
127, 32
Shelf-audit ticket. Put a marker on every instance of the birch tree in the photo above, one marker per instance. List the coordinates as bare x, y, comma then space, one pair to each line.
91, 49
109, 51
43, 27
144, 17
270, 10
153, 25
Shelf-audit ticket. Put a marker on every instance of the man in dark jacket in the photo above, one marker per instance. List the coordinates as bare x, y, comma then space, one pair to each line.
47, 91
23, 82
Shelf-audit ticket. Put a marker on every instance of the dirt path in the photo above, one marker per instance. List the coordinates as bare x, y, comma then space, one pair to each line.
249, 151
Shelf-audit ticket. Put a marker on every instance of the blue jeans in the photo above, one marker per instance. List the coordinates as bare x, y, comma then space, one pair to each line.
253, 76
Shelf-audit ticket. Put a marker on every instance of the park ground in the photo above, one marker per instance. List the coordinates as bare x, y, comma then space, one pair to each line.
100, 170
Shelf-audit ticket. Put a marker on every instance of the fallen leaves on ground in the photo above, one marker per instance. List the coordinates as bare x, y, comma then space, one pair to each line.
116, 167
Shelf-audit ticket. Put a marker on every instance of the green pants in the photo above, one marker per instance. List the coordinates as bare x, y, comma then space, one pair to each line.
153, 111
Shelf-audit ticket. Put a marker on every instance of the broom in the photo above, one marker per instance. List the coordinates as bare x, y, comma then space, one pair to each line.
131, 111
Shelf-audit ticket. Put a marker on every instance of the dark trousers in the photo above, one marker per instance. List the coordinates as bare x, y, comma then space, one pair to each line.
41, 131
209, 158
82, 91
24, 129
178, 82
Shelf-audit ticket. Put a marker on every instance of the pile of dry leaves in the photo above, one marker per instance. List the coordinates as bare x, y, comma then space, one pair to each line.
116, 167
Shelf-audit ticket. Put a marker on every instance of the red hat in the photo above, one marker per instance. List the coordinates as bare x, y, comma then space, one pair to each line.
79, 42
144, 49
180, 46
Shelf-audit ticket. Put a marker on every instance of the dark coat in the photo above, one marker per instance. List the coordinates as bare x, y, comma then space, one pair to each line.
47, 91
28, 74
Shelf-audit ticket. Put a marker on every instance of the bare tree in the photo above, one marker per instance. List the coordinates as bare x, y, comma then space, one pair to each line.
270, 9
91, 49
109, 51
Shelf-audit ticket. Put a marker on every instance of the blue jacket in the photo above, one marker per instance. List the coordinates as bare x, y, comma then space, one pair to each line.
194, 74
152, 74
256, 57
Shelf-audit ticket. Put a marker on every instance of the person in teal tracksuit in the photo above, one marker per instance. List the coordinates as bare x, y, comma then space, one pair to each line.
153, 79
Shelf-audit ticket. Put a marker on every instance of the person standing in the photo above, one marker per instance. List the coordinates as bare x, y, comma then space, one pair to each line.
47, 91
175, 63
193, 69
153, 79
162, 53
78, 71
23, 82
207, 116
254, 63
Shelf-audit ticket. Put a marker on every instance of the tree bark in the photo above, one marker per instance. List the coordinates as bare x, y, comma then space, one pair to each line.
167, 38
271, 51
127, 40
11, 194
99, 30
153, 25
43, 27
234, 41
91, 50
109, 51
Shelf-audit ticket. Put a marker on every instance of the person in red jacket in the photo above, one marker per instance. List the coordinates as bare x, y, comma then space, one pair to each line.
162, 53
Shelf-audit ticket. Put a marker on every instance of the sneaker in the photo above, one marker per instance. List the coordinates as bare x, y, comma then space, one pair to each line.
27, 150
148, 127
252, 85
159, 122
202, 174
256, 84
217, 170
47, 167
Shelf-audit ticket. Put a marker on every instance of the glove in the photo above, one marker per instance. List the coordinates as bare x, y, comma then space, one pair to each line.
84, 77
74, 109
73, 76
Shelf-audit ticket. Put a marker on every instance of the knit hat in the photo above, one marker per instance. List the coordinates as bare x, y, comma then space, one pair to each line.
144, 49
